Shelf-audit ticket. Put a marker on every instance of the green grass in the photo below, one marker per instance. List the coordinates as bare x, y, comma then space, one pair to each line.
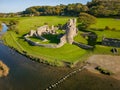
79, 38
110, 22
106, 33
29, 23
67, 53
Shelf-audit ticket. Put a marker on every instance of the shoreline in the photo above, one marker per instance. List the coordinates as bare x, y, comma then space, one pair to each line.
77, 76
116, 76
108, 62
40, 60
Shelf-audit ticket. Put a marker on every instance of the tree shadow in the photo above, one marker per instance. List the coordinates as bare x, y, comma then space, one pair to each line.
97, 29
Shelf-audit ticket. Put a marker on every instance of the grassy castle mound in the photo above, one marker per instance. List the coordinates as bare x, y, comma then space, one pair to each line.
68, 53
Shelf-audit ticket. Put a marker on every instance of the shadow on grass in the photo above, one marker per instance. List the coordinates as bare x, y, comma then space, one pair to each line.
52, 38
97, 29
91, 37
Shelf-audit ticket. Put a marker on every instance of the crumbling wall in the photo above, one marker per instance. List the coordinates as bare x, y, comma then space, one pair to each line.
71, 32
111, 42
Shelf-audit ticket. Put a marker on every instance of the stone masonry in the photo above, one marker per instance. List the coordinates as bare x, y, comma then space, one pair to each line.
71, 32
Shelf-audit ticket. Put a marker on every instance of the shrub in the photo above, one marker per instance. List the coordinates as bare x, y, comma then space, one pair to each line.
104, 71
0, 26
45, 23
86, 20
113, 28
107, 28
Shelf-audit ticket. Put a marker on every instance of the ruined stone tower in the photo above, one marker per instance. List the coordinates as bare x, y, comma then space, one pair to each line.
71, 30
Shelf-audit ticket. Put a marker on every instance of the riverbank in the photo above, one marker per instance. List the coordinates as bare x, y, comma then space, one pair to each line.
109, 63
28, 75
67, 56
87, 80
0, 26
4, 70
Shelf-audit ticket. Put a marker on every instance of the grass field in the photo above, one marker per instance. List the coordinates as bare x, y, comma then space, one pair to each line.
110, 22
67, 53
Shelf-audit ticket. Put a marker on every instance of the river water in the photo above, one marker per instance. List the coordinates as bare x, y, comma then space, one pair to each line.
28, 75
4, 28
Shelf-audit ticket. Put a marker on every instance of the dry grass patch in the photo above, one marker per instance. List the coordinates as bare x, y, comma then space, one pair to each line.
4, 70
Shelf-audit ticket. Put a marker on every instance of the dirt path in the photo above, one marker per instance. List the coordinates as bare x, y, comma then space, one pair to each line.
109, 62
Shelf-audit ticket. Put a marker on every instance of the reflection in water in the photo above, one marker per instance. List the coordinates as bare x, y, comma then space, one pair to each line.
4, 28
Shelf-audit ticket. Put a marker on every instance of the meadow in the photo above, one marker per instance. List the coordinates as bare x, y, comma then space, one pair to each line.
68, 53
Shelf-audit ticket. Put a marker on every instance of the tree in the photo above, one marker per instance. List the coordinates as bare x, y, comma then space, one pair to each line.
69, 10
85, 20
104, 7
13, 25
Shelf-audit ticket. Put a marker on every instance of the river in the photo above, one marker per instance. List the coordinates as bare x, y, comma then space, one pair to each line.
4, 28
28, 75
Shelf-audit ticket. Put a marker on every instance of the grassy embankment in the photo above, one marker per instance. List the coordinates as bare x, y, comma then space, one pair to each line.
4, 70
0, 26
67, 53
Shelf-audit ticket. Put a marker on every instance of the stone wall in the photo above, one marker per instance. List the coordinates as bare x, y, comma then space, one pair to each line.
111, 42
71, 32
83, 46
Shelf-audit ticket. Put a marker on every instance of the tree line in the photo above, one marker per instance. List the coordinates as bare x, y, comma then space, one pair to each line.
99, 8
67, 10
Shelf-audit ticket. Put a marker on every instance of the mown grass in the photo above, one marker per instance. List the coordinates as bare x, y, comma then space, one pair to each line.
110, 22
28, 23
67, 53
99, 29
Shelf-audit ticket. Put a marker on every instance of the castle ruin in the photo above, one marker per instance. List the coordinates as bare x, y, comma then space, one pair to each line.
68, 37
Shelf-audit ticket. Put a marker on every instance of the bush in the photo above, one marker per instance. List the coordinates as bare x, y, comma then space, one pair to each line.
45, 23
0, 26
92, 39
17, 31
86, 20
104, 71
107, 28
114, 29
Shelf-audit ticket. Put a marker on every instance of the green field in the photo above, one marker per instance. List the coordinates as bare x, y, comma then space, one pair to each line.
111, 22
67, 53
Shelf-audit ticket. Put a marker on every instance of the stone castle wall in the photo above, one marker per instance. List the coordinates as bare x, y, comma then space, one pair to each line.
71, 32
